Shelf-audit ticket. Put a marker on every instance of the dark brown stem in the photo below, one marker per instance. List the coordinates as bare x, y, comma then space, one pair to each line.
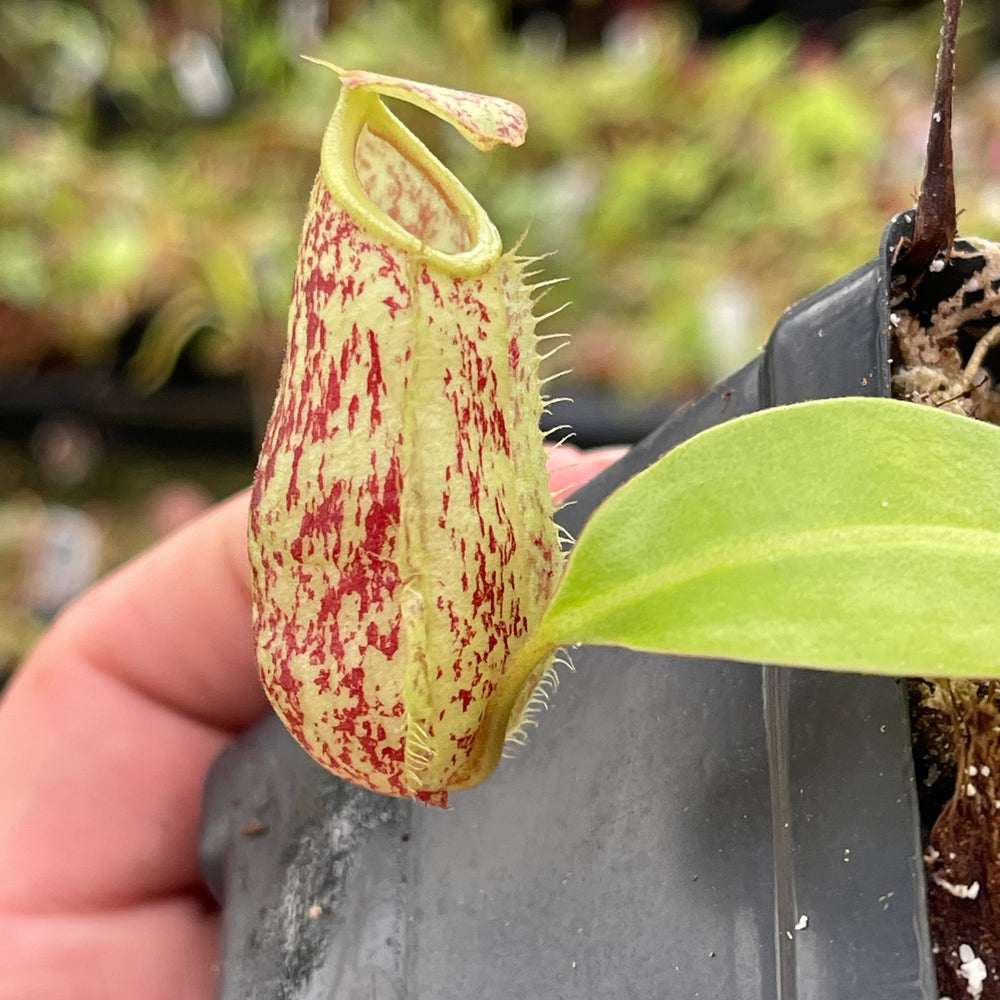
935, 224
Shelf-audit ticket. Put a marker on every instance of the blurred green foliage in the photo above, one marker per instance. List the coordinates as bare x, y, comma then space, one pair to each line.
692, 193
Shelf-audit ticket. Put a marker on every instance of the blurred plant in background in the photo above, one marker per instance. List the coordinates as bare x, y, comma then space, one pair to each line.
157, 157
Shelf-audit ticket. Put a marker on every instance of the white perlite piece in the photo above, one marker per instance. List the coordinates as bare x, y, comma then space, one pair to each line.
803, 922
972, 970
961, 891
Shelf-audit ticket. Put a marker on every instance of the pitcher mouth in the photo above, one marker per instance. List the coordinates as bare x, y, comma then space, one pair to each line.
388, 180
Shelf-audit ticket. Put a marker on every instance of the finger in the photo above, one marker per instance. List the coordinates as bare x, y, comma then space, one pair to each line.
160, 950
100, 791
175, 623
110, 726
569, 467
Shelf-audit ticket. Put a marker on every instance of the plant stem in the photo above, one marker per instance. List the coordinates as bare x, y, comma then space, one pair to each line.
935, 224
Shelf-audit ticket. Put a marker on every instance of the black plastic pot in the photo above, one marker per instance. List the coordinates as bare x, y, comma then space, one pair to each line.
675, 828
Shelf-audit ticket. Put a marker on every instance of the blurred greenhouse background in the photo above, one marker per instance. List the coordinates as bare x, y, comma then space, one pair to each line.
697, 167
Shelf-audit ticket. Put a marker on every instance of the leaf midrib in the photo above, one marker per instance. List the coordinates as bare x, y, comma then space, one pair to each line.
769, 548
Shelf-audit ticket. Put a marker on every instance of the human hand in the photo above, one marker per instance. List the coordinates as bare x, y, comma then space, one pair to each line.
108, 731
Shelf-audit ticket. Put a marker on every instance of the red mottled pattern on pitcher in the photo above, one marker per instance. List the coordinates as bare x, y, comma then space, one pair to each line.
325, 511
401, 534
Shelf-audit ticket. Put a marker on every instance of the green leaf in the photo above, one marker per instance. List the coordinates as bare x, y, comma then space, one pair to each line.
854, 534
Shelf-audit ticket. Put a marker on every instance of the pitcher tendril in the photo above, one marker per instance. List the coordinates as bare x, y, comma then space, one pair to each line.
401, 532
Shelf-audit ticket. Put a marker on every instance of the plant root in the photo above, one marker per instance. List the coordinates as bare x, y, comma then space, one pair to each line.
963, 850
